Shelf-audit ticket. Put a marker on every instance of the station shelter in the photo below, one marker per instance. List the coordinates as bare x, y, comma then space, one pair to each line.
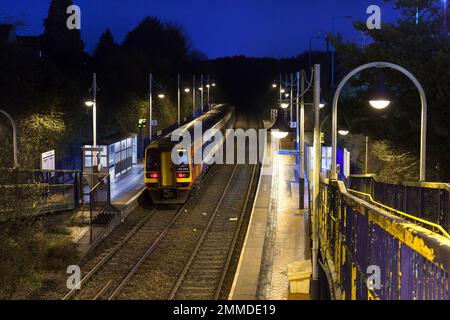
116, 155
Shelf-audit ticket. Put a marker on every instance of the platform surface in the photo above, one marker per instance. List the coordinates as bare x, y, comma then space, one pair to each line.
277, 235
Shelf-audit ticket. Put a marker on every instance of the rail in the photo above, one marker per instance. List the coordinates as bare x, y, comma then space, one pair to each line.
370, 253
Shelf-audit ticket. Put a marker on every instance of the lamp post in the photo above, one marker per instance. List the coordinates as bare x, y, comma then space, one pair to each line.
93, 103
179, 102
14, 128
150, 125
423, 100
310, 47
201, 89
280, 130
193, 96
207, 87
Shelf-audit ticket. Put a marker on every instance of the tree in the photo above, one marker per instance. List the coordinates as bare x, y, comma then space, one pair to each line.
60, 45
105, 49
420, 48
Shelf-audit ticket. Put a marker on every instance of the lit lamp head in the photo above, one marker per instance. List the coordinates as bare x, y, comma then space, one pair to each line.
274, 85
89, 103
322, 103
187, 90
379, 98
213, 84
284, 105
280, 129
343, 130
161, 96
207, 86
282, 91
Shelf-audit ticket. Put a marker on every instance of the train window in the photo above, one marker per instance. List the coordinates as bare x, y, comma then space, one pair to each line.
152, 163
182, 157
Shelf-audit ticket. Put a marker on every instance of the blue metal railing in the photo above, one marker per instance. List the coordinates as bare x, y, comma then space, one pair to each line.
357, 237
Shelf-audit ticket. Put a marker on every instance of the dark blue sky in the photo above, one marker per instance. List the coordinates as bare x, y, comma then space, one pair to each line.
278, 28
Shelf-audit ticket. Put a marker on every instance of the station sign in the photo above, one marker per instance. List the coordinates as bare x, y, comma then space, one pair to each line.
293, 124
48, 160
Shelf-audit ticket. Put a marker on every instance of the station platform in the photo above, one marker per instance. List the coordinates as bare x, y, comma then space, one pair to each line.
125, 191
277, 235
127, 186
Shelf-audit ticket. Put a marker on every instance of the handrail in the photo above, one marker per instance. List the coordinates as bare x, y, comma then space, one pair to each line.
39, 170
99, 183
422, 184
404, 214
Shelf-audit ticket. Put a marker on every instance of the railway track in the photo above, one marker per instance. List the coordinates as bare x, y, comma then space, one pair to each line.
177, 253
115, 264
204, 272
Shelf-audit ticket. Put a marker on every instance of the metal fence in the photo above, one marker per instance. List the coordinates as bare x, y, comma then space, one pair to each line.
426, 200
359, 240
39, 191
98, 199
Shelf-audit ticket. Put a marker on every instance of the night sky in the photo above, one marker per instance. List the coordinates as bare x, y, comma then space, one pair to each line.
276, 28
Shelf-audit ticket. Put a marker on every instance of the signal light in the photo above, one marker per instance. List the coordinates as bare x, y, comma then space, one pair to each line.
153, 175
181, 175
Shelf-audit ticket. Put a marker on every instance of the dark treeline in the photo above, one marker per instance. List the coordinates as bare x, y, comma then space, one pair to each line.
45, 93
45, 80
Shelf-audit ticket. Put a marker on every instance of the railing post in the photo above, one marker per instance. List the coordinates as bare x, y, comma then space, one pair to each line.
108, 179
91, 205
76, 188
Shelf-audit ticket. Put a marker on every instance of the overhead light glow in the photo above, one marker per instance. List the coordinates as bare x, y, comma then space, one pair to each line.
187, 90
284, 105
274, 85
279, 134
321, 105
343, 132
379, 104
161, 96
89, 103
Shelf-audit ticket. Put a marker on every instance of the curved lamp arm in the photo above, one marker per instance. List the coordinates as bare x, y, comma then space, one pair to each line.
423, 100
16, 164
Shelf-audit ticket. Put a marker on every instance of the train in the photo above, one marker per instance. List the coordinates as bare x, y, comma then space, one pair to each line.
171, 183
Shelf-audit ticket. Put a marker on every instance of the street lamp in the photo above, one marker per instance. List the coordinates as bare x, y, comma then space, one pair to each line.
13, 124
161, 96
343, 132
279, 129
423, 100
187, 90
379, 97
89, 103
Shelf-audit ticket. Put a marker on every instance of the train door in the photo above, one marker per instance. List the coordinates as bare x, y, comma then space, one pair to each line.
166, 169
